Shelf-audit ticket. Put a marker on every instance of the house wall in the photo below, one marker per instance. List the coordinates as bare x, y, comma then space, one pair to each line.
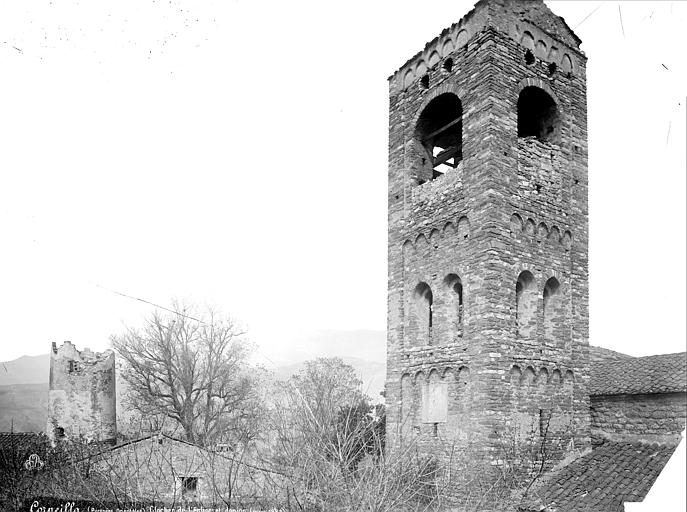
648, 415
154, 469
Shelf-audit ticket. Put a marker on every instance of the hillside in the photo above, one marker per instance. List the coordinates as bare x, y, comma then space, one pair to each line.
24, 381
25, 370
23, 407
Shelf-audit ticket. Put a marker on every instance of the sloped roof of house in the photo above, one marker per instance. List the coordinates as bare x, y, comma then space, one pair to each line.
217, 450
21, 440
665, 373
600, 355
97, 450
603, 479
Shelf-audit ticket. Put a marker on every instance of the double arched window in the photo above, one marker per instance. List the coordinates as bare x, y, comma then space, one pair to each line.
436, 318
526, 299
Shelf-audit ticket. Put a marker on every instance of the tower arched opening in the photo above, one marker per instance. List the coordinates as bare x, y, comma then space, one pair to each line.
439, 134
537, 115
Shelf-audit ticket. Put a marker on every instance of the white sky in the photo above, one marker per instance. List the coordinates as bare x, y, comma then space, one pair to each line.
234, 152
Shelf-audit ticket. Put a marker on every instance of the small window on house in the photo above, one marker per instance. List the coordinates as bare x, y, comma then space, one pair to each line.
537, 115
189, 485
448, 64
424, 82
529, 58
439, 136
73, 366
59, 432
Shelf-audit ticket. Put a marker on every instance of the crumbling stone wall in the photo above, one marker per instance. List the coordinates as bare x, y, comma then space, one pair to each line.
642, 416
82, 394
510, 205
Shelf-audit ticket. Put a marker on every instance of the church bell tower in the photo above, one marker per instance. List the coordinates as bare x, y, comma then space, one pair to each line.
488, 230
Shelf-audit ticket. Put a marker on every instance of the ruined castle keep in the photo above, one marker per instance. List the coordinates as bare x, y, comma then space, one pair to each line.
488, 232
82, 399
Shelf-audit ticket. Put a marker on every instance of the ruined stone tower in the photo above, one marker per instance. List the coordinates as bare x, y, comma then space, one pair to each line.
488, 276
82, 399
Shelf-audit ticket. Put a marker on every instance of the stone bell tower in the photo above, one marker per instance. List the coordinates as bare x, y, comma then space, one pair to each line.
488, 263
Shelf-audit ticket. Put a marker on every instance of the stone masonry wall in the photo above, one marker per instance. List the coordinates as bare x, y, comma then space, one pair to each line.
638, 416
512, 205
82, 394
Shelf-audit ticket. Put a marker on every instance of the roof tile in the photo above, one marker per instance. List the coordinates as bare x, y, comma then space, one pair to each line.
604, 478
665, 373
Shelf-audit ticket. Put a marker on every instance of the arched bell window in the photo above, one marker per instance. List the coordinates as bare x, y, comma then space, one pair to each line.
439, 137
538, 115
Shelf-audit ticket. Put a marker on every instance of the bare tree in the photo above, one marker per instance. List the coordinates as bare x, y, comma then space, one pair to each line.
192, 370
324, 386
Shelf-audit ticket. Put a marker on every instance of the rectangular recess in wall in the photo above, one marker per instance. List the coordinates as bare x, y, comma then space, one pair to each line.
434, 402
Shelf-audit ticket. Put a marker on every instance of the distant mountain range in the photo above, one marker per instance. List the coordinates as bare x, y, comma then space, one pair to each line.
25, 370
23, 407
24, 394
24, 381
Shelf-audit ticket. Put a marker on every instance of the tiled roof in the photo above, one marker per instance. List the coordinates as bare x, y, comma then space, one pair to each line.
603, 479
664, 373
20, 444
600, 354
